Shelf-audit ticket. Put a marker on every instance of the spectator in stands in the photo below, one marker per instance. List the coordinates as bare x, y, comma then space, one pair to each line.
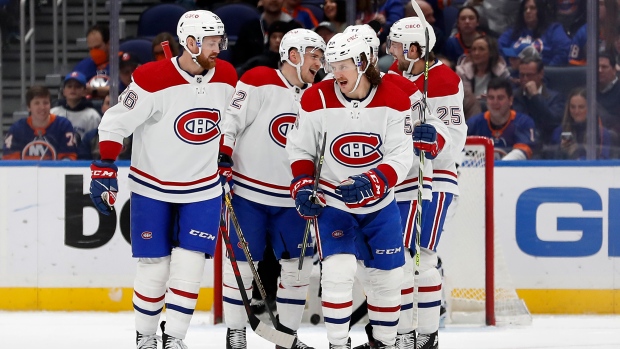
515, 55
476, 69
128, 62
271, 56
300, 13
468, 21
608, 34
42, 135
570, 138
253, 35
512, 132
429, 15
88, 149
533, 98
158, 51
534, 27
608, 96
498, 14
336, 13
98, 41
75, 107
571, 14
384, 13
326, 30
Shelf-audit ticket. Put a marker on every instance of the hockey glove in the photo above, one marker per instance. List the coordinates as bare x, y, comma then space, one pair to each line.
301, 191
425, 138
103, 185
224, 165
364, 187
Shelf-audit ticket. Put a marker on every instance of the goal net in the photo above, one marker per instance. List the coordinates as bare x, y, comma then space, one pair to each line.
477, 285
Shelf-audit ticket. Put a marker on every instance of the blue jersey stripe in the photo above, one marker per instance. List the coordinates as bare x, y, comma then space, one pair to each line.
332, 320
232, 301
439, 179
179, 308
146, 312
383, 323
291, 301
171, 191
429, 304
261, 191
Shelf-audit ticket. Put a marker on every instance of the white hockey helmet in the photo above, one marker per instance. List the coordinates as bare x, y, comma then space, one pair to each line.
348, 46
369, 35
300, 39
408, 31
199, 24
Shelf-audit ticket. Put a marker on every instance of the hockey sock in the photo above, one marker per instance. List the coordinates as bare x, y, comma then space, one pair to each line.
234, 310
291, 296
408, 318
429, 293
148, 292
384, 298
186, 269
337, 296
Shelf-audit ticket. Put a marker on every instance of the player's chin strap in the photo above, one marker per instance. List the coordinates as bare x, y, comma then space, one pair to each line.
195, 55
359, 75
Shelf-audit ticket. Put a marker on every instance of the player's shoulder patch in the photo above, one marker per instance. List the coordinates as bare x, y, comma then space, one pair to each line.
401, 82
224, 73
156, 76
442, 81
312, 101
391, 96
262, 76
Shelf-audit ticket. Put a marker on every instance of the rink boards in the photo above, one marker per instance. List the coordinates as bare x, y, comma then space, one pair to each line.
559, 227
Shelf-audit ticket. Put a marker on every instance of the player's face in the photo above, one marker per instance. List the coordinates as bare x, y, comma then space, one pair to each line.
73, 90
467, 22
578, 108
313, 61
106, 104
498, 103
39, 108
479, 52
345, 73
396, 50
274, 41
210, 50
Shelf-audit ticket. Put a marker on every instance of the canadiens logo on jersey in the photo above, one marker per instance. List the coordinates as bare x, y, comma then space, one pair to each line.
39, 150
198, 126
279, 127
357, 149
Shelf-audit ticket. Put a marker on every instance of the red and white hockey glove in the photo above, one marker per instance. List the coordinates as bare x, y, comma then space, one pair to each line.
362, 188
425, 138
301, 191
224, 165
103, 185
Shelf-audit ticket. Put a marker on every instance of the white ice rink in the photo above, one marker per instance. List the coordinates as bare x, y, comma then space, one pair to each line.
90, 330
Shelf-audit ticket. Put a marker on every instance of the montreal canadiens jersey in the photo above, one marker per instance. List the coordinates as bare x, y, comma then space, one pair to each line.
445, 100
54, 142
361, 135
517, 133
175, 120
258, 118
407, 190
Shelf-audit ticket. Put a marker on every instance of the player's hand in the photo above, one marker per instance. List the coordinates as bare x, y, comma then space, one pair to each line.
301, 191
363, 187
224, 165
425, 138
103, 185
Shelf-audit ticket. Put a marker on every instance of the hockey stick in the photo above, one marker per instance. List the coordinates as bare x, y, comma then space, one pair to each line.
166, 46
317, 177
420, 15
244, 246
273, 335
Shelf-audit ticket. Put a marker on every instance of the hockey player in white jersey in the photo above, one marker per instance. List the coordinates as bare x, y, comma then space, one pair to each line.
367, 152
406, 42
173, 108
406, 192
260, 114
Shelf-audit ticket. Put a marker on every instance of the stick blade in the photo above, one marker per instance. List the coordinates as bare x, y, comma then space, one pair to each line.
276, 337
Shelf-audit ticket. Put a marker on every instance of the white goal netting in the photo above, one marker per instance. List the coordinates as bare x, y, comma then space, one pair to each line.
465, 255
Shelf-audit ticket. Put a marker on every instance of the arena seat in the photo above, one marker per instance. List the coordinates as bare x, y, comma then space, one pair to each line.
234, 16
564, 79
160, 18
